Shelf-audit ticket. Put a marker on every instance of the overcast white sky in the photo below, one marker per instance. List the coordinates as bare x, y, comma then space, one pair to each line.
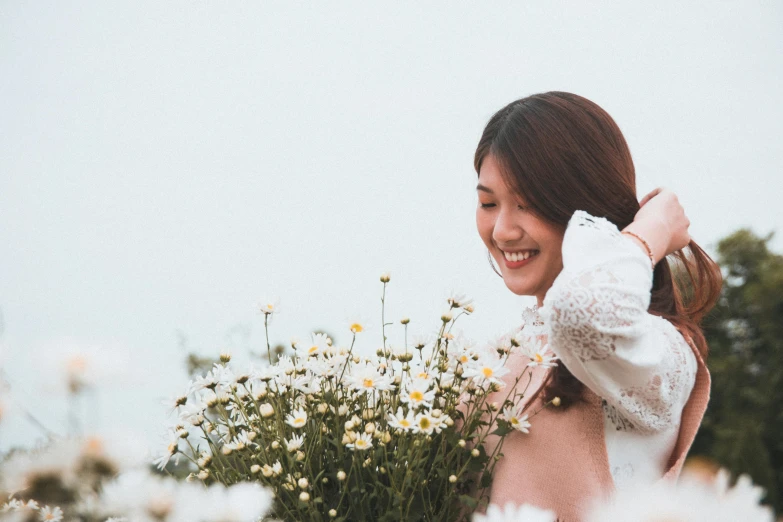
165, 164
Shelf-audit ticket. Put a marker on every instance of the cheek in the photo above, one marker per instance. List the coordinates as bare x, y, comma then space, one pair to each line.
485, 228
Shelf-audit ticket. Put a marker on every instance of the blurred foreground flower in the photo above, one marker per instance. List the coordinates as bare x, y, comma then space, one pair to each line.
511, 513
693, 498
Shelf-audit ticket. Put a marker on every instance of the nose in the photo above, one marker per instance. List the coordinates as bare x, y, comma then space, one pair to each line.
506, 230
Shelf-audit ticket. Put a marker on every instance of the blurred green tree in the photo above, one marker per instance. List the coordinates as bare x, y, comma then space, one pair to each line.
743, 426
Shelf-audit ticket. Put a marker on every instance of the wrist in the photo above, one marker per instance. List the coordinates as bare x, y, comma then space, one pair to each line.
654, 234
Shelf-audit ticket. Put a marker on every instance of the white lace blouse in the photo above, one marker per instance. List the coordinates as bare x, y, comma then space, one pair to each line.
595, 316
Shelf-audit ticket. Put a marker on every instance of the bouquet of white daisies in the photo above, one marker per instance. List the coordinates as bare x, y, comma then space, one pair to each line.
336, 436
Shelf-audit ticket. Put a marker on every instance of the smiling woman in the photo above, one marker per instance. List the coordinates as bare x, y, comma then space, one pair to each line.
558, 213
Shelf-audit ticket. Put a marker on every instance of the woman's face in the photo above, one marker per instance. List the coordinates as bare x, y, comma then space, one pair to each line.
526, 248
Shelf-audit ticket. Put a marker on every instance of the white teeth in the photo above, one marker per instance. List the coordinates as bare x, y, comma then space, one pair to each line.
519, 256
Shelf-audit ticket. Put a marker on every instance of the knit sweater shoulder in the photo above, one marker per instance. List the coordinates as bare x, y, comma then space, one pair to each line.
646, 385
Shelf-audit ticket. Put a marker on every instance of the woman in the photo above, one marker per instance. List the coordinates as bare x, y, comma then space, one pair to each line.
559, 215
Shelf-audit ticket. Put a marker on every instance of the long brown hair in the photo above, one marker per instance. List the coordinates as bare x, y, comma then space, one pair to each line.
565, 153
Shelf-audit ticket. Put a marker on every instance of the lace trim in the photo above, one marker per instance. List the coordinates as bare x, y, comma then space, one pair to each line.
583, 219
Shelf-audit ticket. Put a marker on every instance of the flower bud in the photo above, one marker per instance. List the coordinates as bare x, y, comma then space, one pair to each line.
475, 452
493, 406
266, 410
341, 475
267, 471
447, 316
332, 513
275, 444
461, 443
405, 320
323, 408
304, 496
556, 401
203, 474
385, 277
449, 422
300, 456
382, 470
303, 483
369, 428
255, 469
225, 450
342, 410
452, 478
225, 357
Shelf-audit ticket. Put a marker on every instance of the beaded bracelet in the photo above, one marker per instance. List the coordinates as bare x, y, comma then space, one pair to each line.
645, 243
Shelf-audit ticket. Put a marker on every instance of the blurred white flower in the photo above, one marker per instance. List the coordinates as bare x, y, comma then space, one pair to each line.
457, 300
51, 514
512, 513
318, 344
268, 306
691, 499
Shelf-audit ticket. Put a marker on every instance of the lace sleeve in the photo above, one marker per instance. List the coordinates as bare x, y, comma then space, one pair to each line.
599, 327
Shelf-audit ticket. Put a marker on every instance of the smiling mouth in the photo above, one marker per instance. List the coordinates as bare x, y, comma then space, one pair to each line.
515, 257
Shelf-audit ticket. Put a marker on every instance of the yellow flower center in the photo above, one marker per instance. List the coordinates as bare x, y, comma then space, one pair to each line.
424, 423
356, 328
361, 443
313, 349
423, 375
405, 423
299, 420
417, 396
463, 359
538, 358
368, 383
514, 421
487, 372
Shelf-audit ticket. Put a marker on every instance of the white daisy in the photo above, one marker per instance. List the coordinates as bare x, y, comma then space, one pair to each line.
425, 423
367, 379
401, 421
269, 306
362, 442
297, 419
456, 300
294, 443
518, 421
537, 350
319, 342
417, 393
486, 370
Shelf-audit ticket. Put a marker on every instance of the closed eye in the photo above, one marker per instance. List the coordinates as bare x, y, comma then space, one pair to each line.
487, 205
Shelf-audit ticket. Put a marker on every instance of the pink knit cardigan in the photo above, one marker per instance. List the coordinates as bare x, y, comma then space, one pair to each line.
562, 464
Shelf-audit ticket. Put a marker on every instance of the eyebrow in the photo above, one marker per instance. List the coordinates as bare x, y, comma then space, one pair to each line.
484, 188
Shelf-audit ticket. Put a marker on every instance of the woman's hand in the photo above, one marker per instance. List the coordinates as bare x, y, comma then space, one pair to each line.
661, 220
